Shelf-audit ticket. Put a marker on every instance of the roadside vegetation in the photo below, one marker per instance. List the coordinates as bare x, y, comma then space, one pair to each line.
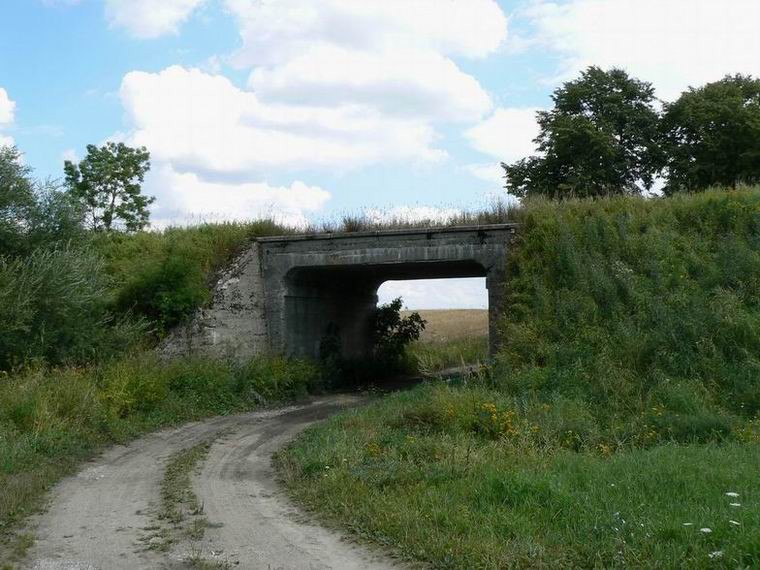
52, 418
428, 358
453, 338
618, 426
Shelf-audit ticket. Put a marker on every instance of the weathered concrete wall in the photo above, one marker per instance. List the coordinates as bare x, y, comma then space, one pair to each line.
285, 293
234, 324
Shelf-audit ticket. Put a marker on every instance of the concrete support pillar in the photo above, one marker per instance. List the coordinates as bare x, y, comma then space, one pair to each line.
352, 313
496, 285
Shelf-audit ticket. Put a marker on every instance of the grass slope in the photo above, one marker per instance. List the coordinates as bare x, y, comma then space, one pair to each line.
445, 492
627, 389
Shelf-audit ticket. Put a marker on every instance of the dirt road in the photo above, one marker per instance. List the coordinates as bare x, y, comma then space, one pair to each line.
105, 517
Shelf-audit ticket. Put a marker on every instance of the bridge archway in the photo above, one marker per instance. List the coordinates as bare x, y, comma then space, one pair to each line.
318, 284
342, 299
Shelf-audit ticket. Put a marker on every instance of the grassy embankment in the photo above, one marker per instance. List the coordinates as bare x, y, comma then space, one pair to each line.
618, 427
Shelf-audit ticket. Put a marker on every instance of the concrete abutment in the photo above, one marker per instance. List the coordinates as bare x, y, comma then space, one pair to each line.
285, 294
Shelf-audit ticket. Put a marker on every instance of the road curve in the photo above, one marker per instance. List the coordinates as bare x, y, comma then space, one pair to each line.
99, 519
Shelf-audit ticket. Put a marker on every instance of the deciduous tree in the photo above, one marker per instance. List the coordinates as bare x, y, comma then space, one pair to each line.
108, 184
600, 138
712, 135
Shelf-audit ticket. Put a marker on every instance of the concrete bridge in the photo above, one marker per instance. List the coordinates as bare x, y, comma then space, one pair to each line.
281, 295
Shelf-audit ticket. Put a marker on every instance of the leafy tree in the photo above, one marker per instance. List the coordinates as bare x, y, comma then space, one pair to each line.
392, 332
32, 214
600, 138
712, 135
17, 200
54, 307
107, 183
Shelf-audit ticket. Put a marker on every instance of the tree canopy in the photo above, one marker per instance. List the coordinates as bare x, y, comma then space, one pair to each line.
712, 135
108, 184
32, 213
600, 138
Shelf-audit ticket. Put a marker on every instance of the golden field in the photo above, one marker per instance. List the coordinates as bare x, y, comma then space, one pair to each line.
453, 324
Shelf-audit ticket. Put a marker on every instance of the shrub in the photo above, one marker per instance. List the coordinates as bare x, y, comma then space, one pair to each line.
55, 309
166, 276
50, 418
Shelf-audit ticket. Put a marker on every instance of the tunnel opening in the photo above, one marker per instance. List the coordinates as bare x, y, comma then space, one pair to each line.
336, 303
455, 311
454, 308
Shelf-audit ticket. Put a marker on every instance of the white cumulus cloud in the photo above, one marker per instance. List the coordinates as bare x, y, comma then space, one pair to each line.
488, 171
186, 198
275, 31
396, 81
7, 108
201, 121
506, 135
7, 116
672, 43
392, 55
150, 18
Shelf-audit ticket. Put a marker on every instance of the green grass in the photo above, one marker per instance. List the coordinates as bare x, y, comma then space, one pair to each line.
429, 357
166, 276
177, 497
180, 514
630, 303
422, 472
51, 419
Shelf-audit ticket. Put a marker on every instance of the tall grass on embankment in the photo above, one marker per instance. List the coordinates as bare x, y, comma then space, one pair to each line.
623, 407
164, 277
50, 419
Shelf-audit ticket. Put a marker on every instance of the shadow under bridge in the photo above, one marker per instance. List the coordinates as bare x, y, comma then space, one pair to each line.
327, 284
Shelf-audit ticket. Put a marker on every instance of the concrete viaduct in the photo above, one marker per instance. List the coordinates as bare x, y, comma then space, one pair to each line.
281, 295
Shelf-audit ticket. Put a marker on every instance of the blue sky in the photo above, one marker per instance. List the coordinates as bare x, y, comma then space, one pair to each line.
305, 109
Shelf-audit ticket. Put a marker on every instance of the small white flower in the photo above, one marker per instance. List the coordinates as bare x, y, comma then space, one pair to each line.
688, 524
735, 504
732, 494
716, 554
705, 530
735, 523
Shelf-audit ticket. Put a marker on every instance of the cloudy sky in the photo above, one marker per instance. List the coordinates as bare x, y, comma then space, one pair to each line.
305, 109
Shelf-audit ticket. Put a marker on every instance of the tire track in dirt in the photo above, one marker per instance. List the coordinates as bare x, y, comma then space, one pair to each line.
98, 519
